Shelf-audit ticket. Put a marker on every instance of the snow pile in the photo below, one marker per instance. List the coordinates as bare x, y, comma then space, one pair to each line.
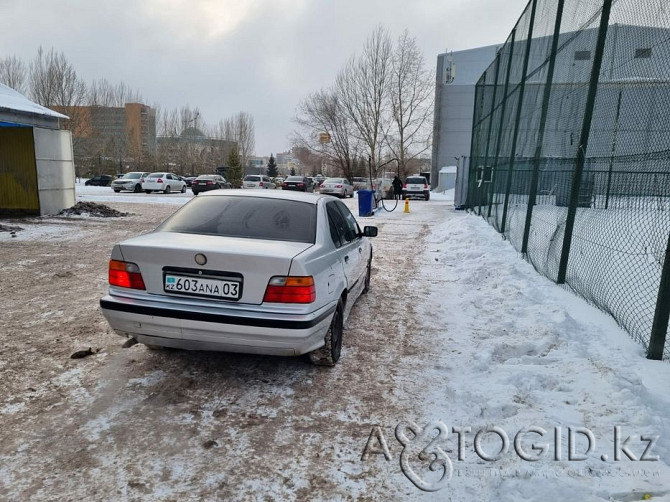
92, 209
12, 229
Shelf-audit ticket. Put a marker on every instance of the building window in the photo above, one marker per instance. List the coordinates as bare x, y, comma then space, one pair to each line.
582, 55
644, 53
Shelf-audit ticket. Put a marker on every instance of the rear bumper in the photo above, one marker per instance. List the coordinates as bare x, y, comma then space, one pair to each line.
220, 329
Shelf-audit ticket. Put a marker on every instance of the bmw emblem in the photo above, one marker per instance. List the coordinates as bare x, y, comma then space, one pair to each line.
200, 259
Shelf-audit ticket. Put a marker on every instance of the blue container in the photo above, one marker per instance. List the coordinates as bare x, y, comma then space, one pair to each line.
365, 199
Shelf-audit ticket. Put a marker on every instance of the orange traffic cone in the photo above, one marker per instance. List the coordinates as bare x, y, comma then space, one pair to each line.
407, 205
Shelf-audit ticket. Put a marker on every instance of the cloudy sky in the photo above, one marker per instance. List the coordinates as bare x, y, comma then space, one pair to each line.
225, 56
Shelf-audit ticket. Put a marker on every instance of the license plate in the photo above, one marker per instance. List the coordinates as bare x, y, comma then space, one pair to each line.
212, 288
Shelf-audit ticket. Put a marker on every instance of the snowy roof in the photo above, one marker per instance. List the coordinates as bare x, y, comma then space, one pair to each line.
14, 101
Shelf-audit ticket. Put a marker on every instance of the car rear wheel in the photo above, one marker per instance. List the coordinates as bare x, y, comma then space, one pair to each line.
147, 191
183, 189
329, 354
138, 188
427, 196
117, 190
167, 189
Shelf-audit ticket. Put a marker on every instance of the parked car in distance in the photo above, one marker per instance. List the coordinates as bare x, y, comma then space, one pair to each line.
337, 186
100, 180
257, 181
130, 181
319, 179
360, 183
416, 186
267, 272
208, 182
189, 180
278, 181
163, 182
299, 183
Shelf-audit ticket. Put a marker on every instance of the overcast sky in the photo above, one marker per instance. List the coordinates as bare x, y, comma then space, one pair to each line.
225, 56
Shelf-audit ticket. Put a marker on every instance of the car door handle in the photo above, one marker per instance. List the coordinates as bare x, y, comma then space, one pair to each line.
346, 259
360, 250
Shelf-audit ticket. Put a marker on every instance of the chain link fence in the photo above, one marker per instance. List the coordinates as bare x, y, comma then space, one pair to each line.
570, 153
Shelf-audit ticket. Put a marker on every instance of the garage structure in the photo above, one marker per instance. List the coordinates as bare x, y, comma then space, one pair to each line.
36, 160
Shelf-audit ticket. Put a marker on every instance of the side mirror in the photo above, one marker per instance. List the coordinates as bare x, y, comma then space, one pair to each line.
370, 231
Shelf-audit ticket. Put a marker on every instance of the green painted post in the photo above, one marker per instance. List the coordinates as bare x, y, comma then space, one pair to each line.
584, 141
488, 134
503, 105
532, 195
517, 122
659, 328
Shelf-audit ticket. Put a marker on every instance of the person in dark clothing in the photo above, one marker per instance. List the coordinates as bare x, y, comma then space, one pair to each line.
397, 188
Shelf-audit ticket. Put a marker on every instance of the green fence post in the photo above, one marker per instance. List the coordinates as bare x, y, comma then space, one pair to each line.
659, 328
584, 141
488, 134
532, 195
503, 105
614, 141
517, 122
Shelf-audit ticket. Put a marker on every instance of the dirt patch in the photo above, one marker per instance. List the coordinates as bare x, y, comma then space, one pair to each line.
92, 209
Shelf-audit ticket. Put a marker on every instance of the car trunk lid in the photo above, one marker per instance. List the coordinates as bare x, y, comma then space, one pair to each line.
254, 261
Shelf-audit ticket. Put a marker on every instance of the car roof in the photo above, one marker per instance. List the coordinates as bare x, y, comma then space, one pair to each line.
270, 194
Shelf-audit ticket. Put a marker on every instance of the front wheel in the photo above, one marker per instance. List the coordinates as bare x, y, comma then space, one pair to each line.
183, 189
116, 191
366, 288
329, 354
138, 188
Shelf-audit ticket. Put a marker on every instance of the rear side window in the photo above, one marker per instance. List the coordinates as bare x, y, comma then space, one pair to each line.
417, 180
338, 227
248, 217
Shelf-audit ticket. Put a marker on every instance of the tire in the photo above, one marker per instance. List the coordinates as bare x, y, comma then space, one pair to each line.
329, 354
366, 288
183, 189
147, 191
138, 188
427, 196
167, 189
116, 191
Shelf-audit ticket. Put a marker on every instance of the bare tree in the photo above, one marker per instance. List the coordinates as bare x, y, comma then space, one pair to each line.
326, 130
102, 93
240, 128
362, 87
411, 102
13, 73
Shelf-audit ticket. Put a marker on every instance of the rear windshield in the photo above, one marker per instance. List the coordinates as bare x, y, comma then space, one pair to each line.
295, 178
249, 217
252, 178
334, 180
156, 175
207, 177
132, 176
416, 180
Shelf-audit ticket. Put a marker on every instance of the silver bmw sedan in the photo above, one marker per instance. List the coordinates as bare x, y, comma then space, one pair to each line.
266, 272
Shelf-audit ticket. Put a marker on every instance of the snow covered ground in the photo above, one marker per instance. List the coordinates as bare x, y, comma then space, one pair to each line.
458, 333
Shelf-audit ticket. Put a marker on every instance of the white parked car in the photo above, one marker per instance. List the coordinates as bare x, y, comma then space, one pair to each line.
270, 272
257, 181
337, 186
416, 186
163, 182
129, 181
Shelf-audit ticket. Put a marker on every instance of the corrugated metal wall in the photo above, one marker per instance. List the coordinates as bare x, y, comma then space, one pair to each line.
18, 171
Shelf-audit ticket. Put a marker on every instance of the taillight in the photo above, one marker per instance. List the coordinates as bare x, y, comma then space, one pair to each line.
210, 183
425, 186
290, 290
404, 185
301, 184
125, 275
260, 184
284, 184
141, 180
338, 186
160, 180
